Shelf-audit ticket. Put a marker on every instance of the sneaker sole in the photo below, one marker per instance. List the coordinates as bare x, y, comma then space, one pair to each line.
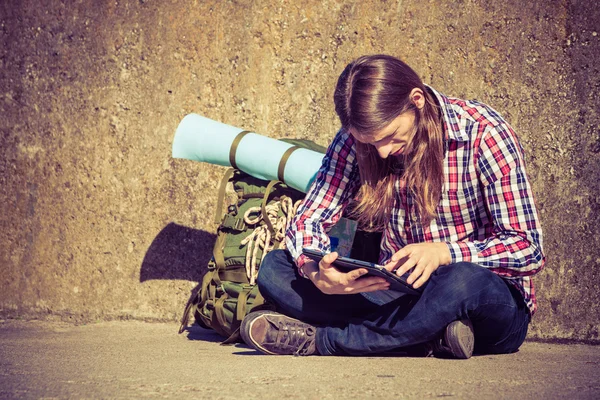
459, 337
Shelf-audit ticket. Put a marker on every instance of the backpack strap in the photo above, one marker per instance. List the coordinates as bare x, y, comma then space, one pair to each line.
218, 247
241, 306
221, 197
233, 338
198, 299
233, 223
242, 310
234, 146
220, 321
284, 160
265, 201
234, 275
185, 318
218, 255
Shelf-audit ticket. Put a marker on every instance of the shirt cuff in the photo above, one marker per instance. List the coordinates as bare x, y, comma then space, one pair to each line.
463, 251
303, 259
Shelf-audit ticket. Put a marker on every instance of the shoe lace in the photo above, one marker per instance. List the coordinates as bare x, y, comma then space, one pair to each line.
296, 336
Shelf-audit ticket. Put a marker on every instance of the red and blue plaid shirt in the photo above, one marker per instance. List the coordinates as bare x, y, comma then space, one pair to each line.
486, 215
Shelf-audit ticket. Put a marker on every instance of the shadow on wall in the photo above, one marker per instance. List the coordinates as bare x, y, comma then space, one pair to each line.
178, 252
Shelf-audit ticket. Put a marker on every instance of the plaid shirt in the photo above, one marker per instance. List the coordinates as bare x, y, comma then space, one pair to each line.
486, 215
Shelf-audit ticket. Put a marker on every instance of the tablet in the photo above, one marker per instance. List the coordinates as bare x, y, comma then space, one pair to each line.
346, 264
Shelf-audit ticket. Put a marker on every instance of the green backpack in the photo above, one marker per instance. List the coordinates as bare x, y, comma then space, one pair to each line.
254, 223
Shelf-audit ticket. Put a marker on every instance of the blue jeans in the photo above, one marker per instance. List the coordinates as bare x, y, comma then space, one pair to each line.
384, 321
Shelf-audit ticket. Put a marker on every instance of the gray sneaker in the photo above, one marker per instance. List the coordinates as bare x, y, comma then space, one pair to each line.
457, 341
274, 333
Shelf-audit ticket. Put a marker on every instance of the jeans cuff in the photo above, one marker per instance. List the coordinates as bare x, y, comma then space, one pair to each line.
321, 342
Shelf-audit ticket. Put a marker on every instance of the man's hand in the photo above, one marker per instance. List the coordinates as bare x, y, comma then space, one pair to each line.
330, 280
422, 258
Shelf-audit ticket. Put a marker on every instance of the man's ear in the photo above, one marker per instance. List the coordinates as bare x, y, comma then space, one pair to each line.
417, 98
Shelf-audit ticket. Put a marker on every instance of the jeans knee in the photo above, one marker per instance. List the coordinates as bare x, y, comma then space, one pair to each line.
465, 271
272, 270
267, 269
466, 278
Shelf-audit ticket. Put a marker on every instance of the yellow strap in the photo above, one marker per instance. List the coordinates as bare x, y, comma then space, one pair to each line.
264, 206
197, 301
259, 300
218, 252
283, 162
236, 275
212, 289
185, 319
234, 147
219, 324
241, 304
240, 314
207, 294
207, 291
233, 338
219, 213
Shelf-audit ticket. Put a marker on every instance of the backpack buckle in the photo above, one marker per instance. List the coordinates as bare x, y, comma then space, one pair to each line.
232, 209
235, 223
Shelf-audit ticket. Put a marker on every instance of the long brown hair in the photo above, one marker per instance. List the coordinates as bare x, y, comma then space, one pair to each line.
370, 93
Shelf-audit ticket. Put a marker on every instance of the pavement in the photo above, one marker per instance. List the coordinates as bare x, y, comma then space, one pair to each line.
132, 359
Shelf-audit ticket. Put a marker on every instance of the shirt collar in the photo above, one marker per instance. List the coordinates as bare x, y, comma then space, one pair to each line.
452, 122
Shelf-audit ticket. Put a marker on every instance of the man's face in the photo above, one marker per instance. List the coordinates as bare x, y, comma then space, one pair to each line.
393, 139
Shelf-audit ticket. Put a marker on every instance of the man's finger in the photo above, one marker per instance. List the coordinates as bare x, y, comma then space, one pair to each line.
407, 266
391, 266
424, 278
397, 259
372, 288
328, 259
415, 274
400, 255
363, 281
356, 273
370, 284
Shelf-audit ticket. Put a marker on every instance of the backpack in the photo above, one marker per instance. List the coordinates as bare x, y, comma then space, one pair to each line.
254, 223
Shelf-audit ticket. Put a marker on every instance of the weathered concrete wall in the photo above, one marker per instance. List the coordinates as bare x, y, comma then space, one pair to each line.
99, 222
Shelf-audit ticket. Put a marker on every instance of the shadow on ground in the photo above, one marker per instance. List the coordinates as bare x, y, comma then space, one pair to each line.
196, 332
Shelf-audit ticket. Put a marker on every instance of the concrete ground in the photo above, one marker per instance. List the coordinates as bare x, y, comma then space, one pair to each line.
41, 359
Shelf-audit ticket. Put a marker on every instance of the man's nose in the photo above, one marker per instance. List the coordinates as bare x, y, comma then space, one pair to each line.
384, 151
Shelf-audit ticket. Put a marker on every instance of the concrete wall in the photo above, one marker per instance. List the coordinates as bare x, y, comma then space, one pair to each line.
97, 220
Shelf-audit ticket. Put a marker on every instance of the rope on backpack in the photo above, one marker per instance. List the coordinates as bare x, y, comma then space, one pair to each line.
261, 237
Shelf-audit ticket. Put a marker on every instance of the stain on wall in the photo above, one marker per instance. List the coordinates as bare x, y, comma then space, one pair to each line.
97, 220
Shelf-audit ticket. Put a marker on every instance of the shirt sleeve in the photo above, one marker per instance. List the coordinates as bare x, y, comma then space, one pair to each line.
335, 185
514, 246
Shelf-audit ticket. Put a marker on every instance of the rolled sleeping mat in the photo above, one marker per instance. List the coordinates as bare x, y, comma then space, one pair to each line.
202, 139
